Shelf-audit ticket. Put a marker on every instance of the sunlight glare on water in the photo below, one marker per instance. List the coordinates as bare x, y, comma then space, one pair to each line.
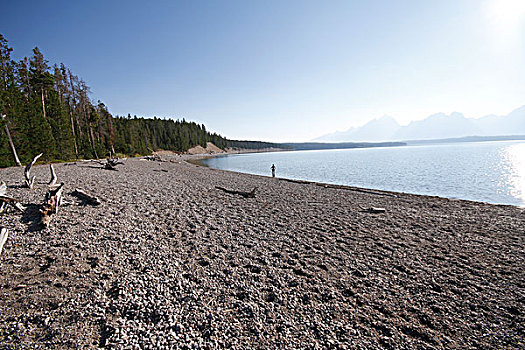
515, 156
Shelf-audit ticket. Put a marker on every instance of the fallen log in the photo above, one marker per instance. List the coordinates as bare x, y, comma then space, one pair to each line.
374, 210
3, 237
87, 198
241, 193
51, 204
54, 178
30, 181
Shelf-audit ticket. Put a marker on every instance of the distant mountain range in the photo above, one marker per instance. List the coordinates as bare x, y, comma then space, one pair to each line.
436, 126
307, 146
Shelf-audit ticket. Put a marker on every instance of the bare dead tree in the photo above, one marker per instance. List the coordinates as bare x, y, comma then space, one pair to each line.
70, 102
11, 144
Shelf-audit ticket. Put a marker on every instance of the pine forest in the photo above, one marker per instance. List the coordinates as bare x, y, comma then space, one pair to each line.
47, 109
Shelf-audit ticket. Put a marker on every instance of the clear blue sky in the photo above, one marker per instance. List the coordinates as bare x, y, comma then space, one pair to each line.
283, 70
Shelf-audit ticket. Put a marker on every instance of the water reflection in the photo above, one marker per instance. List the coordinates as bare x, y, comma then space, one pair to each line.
515, 157
491, 172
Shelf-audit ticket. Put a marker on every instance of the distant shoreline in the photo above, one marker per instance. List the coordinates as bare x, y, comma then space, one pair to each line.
467, 139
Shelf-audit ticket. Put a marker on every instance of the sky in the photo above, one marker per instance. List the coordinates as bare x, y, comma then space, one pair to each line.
283, 71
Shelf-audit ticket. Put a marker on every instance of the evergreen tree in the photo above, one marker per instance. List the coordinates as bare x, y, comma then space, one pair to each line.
48, 110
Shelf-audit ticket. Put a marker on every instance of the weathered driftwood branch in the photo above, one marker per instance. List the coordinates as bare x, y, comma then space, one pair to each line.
374, 210
5, 200
155, 158
30, 181
87, 198
3, 189
110, 163
3, 237
54, 178
51, 204
3, 192
241, 193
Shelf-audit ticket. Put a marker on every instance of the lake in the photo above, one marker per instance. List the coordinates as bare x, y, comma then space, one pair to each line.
491, 172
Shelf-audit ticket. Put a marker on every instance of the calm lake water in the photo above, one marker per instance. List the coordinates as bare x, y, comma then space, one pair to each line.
491, 172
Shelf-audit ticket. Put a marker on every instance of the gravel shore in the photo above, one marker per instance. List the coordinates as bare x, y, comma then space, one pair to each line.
169, 261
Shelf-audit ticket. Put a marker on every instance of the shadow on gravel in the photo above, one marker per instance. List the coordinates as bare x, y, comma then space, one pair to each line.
106, 331
32, 217
43, 183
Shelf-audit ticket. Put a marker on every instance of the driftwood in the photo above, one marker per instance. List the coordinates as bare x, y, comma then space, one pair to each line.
154, 157
241, 193
374, 210
5, 200
51, 204
53, 180
30, 180
110, 163
3, 237
87, 198
3, 189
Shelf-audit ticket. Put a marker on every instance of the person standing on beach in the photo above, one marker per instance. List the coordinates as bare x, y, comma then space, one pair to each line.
273, 170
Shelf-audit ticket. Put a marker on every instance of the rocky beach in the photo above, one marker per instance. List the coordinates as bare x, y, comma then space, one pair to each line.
168, 261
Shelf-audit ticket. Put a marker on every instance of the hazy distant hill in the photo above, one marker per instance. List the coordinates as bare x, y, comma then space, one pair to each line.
436, 126
379, 129
306, 146
466, 139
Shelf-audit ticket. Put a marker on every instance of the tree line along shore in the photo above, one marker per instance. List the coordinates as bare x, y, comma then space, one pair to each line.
47, 109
